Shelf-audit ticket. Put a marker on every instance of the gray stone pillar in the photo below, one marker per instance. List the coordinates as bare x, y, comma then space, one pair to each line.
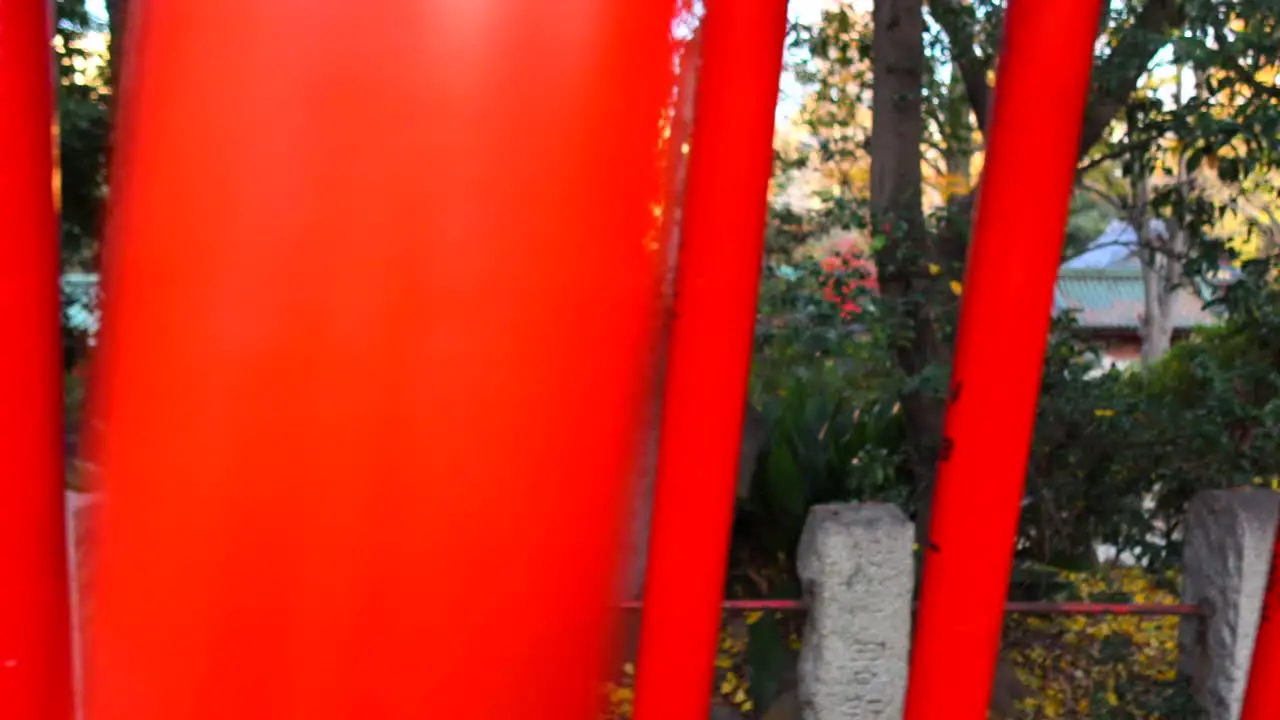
80, 508
856, 564
1226, 557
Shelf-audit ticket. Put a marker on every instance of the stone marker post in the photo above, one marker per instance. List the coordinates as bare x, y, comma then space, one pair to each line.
80, 508
855, 561
1226, 559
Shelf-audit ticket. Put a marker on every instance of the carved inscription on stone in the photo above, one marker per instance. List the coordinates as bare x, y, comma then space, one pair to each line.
869, 702
856, 564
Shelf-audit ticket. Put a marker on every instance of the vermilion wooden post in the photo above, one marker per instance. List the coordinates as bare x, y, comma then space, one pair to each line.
35, 659
1262, 698
721, 242
1004, 320
380, 285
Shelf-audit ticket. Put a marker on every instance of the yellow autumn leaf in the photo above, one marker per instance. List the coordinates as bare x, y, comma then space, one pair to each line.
753, 617
956, 287
935, 269
1104, 412
954, 184
621, 694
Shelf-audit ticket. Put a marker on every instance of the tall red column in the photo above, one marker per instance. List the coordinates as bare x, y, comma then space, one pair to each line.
381, 277
35, 661
717, 274
1262, 698
1019, 230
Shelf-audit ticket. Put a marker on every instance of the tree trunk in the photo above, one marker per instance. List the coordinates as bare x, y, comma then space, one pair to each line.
1269, 234
1161, 243
959, 137
116, 11
1150, 233
897, 216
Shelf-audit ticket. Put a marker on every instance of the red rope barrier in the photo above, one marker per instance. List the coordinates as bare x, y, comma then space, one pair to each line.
1085, 608
1012, 608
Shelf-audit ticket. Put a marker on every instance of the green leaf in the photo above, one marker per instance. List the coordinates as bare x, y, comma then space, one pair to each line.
767, 656
784, 481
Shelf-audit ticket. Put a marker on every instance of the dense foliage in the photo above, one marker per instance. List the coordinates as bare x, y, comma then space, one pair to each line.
83, 93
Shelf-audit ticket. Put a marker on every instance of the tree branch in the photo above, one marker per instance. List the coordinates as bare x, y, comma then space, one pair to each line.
957, 20
1128, 148
1270, 91
1102, 195
934, 145
1115, 77
934, 166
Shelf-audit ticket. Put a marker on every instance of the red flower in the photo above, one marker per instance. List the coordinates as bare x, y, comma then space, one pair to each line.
854, 273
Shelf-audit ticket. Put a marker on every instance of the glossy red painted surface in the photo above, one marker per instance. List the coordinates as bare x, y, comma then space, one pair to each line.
712, 329
1032, 149
1262, 697
382, 279
35, 646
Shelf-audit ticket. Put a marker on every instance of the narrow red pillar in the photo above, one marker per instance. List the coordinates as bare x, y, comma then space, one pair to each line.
717, 274
35, 659
1262, 698
381, 281
1004, 320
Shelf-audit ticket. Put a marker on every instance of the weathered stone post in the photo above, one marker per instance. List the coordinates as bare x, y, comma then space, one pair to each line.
80, 508
855, 561
1226, 558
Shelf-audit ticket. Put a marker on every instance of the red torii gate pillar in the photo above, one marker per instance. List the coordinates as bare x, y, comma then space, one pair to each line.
35, 645
380, 281
1019, 229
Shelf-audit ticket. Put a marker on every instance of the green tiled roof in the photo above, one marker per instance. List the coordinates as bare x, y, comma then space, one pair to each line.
1111, 298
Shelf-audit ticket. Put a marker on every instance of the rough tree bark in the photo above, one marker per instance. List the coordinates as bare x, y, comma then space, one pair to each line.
897, 214
959, 137
1163, 244
116, 11
1268, 226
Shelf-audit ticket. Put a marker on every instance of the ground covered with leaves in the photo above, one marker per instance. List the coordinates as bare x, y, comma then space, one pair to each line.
1101, 667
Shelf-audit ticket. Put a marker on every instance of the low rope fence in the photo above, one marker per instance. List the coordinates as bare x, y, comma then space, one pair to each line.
1012, 607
